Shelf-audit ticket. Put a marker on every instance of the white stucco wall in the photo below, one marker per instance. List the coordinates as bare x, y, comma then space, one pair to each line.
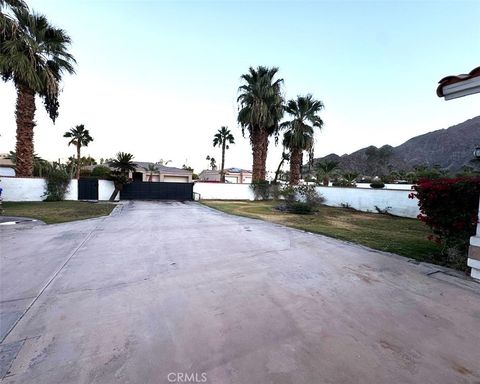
362, 199
72, 192
7, 171
33, 189
365, 199
105, 190
405, 187
22, 189
217, 191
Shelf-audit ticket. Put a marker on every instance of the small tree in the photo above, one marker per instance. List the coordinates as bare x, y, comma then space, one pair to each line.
213, 162
151, 168
57, 183
222, 138
326, 170
122, 165
80, 137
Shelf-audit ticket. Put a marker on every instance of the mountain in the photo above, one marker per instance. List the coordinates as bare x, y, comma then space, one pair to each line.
450, 149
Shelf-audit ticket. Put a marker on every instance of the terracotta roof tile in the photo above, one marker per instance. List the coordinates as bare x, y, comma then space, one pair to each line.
452, 79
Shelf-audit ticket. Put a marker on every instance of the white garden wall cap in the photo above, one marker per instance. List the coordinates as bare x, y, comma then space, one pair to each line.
473, 263
475, 240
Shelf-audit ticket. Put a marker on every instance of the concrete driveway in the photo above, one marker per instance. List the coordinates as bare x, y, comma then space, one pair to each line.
172, 292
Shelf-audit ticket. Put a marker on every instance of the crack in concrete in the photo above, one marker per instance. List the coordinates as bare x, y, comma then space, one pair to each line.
49, 282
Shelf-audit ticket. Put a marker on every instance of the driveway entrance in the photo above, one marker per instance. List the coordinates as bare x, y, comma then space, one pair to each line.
161, 291
141, 190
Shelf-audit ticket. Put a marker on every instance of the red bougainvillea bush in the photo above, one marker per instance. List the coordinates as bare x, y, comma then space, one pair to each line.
449, 206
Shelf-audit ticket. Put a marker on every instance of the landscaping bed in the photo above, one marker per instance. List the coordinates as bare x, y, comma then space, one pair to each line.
403, 236
57, 211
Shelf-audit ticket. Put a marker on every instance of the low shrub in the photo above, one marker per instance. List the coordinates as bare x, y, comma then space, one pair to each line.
300, 208
377, 185
101, 172
275, 191
344, 184
450, 208
85, 172
57, 183
383, 211
261, 189
301, 199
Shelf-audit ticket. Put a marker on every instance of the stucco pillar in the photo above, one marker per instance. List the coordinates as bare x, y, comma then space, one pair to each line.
474, 253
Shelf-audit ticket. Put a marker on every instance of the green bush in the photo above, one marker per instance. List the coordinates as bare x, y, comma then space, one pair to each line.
300, 208
57, 183
301, 199
101, 172
261, 189
85, 172
343, 184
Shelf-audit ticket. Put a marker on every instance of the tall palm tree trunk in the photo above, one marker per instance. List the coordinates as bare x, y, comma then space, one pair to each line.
258, 168
25, 113
78, 161
265, 142
222, 172
295, 164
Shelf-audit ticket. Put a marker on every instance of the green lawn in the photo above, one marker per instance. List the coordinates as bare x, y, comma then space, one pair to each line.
57, 211
403, 236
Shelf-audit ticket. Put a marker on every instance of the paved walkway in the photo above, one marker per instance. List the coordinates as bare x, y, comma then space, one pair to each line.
160, 292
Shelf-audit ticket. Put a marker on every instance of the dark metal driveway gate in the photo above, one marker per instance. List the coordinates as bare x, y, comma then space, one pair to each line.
87, 189
144, 190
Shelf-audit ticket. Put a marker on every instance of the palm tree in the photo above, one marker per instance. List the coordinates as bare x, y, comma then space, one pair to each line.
8, 24
122, 165
40, 166
151, 168
223, 137
326, 170
80, 137
34, 55
299, 136
213, 162
350, 178
260, 104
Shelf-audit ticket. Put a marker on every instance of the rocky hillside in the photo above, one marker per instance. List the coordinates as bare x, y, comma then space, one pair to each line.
450, 149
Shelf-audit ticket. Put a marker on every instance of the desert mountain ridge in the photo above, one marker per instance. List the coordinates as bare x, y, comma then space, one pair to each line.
450, 149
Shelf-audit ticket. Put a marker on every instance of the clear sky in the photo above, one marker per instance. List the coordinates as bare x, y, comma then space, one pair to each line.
158, 78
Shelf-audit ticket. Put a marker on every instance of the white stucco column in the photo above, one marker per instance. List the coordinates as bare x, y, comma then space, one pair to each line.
474, 253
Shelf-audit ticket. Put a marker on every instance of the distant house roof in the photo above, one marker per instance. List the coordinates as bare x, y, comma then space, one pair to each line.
454, 86
237, 170
142, 166
162, 168
6, 162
